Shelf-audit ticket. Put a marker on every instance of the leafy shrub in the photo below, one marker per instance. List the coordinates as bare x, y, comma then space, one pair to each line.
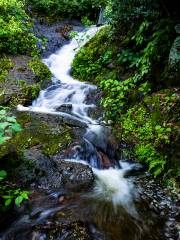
5, 65
131, 12
68, 8
148, 136
147, 154
86, 22
8, 195
15, 35
8, 126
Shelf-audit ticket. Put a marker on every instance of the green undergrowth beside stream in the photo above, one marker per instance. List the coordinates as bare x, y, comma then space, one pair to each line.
129, 60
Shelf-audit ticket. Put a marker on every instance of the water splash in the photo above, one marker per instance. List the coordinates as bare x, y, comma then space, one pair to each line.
113, 187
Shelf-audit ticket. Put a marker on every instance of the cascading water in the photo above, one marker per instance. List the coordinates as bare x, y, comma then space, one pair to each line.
111, 204
69, 91
65, 89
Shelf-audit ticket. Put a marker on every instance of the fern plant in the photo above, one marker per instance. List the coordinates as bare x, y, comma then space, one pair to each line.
8, 126
8, 195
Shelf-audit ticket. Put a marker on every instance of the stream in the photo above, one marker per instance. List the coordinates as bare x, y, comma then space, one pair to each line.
113, 207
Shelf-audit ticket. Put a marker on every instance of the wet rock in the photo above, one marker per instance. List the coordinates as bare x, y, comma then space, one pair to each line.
64, 31
56, 33
75, 175
65, 108
61, 199
21, 70
136, 170
43, 137
105, 162
84, 150
20, 86
32, 152
40, 171
72, 120
102, 138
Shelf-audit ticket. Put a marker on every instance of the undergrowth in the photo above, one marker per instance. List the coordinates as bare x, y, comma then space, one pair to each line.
129, 61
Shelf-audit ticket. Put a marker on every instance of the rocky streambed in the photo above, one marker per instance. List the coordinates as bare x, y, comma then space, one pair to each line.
82, 185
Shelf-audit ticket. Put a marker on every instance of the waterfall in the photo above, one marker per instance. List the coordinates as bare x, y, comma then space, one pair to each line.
101, 20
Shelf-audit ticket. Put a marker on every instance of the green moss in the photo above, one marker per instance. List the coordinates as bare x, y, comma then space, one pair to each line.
93, 58
41, 71
44, 136
58, 143
25, 95
5, 65
36, 133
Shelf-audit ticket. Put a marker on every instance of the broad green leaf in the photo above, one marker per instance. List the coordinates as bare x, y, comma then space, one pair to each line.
24, 195
11, 119
18, 200
3, 174
4, 125
16, 127
7, 196
8, 202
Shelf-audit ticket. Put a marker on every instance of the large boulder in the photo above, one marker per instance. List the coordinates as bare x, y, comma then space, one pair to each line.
40, 171
75, 175
36, 154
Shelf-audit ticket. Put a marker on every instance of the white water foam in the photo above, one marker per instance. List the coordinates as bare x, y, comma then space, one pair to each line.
112, 186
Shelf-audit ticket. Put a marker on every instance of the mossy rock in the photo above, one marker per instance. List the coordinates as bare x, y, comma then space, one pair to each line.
40, 70
39, 135
86, 65
5, 65
18, 83
14, 94
37, 132
49, 137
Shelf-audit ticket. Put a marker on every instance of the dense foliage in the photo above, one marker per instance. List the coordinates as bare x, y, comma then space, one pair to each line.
68, 8
130, 63
15, 35
8, 194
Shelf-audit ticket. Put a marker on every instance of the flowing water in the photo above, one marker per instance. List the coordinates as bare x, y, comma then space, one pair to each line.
112, 209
